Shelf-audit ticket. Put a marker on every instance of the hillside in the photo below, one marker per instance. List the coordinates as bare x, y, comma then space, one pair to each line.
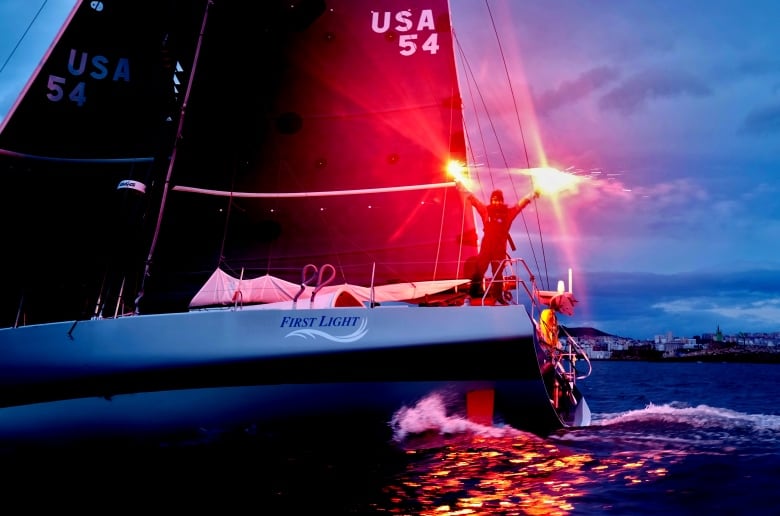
585, 332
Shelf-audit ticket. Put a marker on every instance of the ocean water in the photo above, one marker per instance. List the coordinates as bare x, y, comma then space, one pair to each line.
666, 438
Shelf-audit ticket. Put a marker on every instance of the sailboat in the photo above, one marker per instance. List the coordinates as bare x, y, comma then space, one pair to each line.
226, 218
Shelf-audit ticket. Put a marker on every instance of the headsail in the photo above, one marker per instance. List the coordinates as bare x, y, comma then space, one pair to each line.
104, 88
95, 113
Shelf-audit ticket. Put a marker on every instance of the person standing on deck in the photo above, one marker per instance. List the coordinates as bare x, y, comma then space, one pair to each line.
497, 220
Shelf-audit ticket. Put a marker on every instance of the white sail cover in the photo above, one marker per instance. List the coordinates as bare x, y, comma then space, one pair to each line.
222, 289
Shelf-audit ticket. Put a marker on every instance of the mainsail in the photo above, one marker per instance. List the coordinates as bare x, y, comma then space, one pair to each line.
319, 131
321, 121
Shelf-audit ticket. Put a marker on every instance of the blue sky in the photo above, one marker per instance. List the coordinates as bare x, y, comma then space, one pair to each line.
677, 104
671, 109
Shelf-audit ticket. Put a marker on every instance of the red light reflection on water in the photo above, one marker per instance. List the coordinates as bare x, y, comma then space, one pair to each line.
518, 475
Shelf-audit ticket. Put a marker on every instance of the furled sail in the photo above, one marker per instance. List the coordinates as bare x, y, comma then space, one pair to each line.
223, 289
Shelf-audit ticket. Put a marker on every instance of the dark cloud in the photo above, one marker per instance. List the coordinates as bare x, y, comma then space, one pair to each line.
661, 286
652, 84
571, 91
760, 121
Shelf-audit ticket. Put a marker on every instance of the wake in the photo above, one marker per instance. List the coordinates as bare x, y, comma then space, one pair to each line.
430, 416
699, 416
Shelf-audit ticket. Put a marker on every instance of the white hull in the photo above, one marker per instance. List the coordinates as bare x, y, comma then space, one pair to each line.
68, 350
209, 369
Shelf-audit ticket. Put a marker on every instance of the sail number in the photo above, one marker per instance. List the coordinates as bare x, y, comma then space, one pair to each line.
414, 29
97, 68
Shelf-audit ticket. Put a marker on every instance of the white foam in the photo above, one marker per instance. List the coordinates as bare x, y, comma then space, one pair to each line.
698, 416
430, 415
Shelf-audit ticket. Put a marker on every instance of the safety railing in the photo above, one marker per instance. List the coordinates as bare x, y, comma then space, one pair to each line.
565, 355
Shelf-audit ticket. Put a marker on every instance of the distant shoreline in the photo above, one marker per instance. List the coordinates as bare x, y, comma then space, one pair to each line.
760, 357
711, 351
728, 355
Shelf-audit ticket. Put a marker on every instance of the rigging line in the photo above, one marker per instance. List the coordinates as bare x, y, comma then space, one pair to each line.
493, 128
462, 239
21, 38
490, 119
455, 94
522, 138
531, 245
541, 245
512, 94
225, 226
509, 83
443, 218
172, 159
467, 210
481, 133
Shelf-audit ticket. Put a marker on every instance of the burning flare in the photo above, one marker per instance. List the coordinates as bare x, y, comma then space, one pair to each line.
549, 181
459, 173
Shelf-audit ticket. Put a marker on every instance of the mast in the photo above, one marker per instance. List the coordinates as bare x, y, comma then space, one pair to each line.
166, 185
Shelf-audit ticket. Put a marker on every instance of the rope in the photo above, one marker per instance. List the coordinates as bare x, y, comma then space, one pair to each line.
525, 150
24, 34
470, 78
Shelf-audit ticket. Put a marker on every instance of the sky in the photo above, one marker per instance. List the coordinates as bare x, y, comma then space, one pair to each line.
669, 109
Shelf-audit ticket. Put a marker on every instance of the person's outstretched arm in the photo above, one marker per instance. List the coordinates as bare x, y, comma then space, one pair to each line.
470, 197
525, 201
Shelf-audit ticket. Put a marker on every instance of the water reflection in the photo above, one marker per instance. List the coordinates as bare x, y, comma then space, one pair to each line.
522, 474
